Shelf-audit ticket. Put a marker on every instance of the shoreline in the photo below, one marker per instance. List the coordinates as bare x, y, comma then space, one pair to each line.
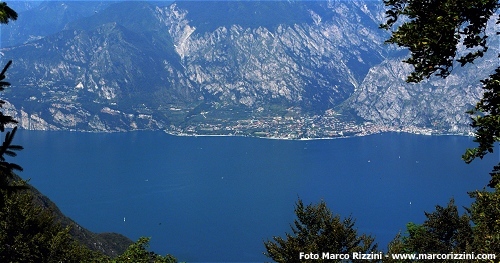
263, 135
424, 132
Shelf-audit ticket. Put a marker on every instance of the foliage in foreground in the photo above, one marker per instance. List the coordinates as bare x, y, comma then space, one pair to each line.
433, 31
138, 253
29, 232
317, 230
444, 231
485, 213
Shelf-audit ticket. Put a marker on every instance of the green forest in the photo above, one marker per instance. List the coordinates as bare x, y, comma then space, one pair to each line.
432, 31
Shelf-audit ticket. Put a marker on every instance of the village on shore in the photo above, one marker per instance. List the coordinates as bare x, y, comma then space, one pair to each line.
297, 128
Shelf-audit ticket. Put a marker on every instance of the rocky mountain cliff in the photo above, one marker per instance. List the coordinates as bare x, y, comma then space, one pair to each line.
439, 104
308, 68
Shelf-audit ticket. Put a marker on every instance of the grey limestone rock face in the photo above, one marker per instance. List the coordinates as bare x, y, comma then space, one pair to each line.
135, 65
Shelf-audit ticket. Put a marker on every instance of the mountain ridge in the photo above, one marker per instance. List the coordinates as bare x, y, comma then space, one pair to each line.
137, 65
110, 244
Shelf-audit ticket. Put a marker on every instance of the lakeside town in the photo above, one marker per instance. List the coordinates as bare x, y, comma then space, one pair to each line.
295, 128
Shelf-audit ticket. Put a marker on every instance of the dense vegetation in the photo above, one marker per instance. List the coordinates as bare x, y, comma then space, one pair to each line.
318, 230
30, 232
432, 31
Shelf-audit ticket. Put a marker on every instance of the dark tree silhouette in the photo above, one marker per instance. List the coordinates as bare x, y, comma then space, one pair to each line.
6, 13
432, 31
7, 148
317, 230
7, 169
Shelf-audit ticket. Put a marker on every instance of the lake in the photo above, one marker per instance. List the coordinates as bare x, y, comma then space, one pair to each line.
219, 198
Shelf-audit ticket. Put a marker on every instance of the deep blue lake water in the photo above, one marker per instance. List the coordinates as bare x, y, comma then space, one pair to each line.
219, 198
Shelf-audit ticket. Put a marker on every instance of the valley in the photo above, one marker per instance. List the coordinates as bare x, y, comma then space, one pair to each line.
312, 73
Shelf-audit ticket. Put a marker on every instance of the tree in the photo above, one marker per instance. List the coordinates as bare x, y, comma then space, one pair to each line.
6, 13
317, 230
137, 253
443, 232
485, 212
6, 168
30, 233
432, 30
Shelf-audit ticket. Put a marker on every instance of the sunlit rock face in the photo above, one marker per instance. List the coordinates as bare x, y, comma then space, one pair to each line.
126, 66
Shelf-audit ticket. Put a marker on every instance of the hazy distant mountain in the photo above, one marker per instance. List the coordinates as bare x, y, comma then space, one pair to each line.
138, 65
40, 19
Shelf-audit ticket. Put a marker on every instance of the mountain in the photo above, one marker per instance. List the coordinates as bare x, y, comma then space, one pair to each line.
39, 19
385, 99
272, 68
110, 244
